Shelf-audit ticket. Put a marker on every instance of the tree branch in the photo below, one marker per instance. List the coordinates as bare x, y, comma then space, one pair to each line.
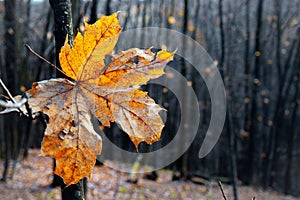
9, 104
12, 105
7, 91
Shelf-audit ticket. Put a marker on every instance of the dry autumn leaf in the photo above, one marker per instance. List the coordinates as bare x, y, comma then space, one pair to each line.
109, 92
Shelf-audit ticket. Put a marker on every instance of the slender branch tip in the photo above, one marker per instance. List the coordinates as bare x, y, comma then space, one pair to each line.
43, 59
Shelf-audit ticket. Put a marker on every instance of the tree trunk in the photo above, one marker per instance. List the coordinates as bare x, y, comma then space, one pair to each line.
77, 15
244, 164
10, 66
107, 7
290, 146
64, 27
10, 43
254, 146
93, 16
228, 122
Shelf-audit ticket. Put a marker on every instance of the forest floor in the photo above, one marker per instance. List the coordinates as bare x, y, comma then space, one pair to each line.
33, 176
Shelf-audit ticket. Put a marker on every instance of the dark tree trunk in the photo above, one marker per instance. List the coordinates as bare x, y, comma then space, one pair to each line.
244, 165
93, 16
107, 7
290, 142
43, 47
180, 165
254, 145
10, 67
76, 15
10, 43
64, 27
26, 134
272, 139
228, 122
186, 16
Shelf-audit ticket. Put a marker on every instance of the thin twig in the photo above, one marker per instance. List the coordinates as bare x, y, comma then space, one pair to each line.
7, 91
222, 190
9, 104
43, 59
10, 96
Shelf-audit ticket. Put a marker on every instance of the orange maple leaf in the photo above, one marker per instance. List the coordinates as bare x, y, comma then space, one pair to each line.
108, 92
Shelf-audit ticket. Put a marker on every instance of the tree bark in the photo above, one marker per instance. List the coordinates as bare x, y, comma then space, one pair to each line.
63, 26
10, 67
254, 143
10, 42
93, 16
244, 164
107, 7
77, 15
229, 122
290, 146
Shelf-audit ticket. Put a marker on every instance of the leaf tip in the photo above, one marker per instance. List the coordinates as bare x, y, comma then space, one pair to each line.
166, 55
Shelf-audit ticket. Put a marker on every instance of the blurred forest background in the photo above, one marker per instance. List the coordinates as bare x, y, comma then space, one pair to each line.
256, 45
